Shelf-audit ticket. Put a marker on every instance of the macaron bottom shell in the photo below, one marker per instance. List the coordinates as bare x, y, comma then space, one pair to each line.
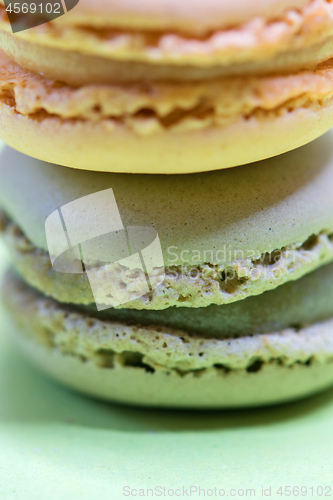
158, 366
105, 148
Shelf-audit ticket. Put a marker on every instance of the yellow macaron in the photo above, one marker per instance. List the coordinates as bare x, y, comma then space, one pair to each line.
158, 87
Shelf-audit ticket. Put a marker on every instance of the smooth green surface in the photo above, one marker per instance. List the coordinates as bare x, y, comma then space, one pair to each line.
58, 445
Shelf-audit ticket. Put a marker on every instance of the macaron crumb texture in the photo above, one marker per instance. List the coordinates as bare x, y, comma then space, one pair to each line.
212, 123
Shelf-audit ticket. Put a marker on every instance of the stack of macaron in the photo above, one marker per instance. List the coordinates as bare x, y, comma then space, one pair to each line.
129, 94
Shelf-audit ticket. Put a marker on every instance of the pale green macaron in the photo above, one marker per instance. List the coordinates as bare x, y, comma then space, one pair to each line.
225, 235
266, 349
244, 315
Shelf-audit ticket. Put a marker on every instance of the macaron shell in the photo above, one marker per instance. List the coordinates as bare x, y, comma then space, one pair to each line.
248, 371
309, 28
259, 207
99, 65
275, 385
189, 15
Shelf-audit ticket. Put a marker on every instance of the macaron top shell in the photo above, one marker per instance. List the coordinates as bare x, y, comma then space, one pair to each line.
245, 211
200, 34
191, 16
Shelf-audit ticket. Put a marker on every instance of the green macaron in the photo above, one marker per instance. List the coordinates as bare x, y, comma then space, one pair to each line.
244, 314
